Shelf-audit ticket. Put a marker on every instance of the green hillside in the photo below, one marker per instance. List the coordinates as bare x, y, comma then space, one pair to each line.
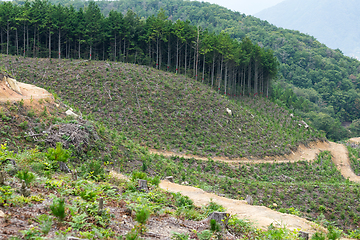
325, 78
162, 110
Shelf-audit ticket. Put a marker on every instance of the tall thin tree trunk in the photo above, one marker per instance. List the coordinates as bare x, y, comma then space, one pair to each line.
1, 36
17, 42
203, 74
213, 71
226, 75
115, 49
90, 50
256, 78
168, 62
27, 39
79, 49
177, 55
7, 37
249, 78
50, 43
221, 73
59, 45
124, 50
24, 39
197, 55
34, 48
185, 56
157, 52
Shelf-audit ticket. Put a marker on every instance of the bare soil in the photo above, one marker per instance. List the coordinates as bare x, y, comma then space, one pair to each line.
28, 92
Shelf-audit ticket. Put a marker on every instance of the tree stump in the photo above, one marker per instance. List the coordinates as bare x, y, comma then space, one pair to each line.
170, 179
63, 167
142, 185
101, 205
304, 235
249, 200
2, 178
23, 190
220, 217
74, 175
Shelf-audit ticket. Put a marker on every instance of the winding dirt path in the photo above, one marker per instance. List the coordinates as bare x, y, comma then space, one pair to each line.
261, 216
338, 151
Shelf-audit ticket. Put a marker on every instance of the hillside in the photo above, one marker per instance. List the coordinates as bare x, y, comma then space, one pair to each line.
163, 111
332, 22
324, 82
289, 185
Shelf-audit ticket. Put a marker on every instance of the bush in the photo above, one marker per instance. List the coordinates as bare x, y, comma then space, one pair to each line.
93, 170
58, 154
142, 215
26, 176
58, 209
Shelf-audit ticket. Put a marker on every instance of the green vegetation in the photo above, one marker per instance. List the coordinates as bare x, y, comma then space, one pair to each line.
354, 155
323, 78
80, 216
235, 67
165, 111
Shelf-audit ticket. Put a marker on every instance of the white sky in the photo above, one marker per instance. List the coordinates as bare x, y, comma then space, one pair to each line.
249, 7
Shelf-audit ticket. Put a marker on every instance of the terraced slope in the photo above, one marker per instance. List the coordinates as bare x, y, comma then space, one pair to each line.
164, 111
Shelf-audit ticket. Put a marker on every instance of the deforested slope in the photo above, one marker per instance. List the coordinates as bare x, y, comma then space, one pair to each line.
162, 110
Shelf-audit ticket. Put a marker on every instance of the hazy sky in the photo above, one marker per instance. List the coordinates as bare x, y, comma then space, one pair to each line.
249, 7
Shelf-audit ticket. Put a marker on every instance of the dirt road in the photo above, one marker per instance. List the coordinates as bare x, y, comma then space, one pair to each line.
338, 151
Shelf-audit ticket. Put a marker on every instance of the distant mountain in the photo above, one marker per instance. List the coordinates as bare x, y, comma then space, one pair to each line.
333, 22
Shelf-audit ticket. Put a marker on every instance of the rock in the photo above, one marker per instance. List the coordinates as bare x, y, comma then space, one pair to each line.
249, 200
185, 183
274, 205
70, 112
2, 214
304, 235
228, 111
170, 178
220, 217
64, 168
142, 185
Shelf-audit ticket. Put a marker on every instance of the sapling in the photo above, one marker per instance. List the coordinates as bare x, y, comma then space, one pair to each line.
26, 176
58, 209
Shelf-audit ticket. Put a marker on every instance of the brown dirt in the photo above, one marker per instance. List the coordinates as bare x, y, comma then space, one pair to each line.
339, 154
28, 92
261, 216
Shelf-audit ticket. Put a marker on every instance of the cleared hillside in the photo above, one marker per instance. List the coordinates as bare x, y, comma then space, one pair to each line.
164, 111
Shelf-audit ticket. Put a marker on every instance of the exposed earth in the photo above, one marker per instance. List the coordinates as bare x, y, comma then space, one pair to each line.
27, 91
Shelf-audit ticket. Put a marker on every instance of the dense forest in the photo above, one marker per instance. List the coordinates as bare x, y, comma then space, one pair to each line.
40, 29
322, 83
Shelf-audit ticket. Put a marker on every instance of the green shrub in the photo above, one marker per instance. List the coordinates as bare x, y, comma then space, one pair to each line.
26, 176
204, 235
180, 236
142, 215
58, 209
58, 154
214, 226
93, 170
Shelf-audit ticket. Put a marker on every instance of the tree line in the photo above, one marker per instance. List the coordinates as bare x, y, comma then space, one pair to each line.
41, 29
